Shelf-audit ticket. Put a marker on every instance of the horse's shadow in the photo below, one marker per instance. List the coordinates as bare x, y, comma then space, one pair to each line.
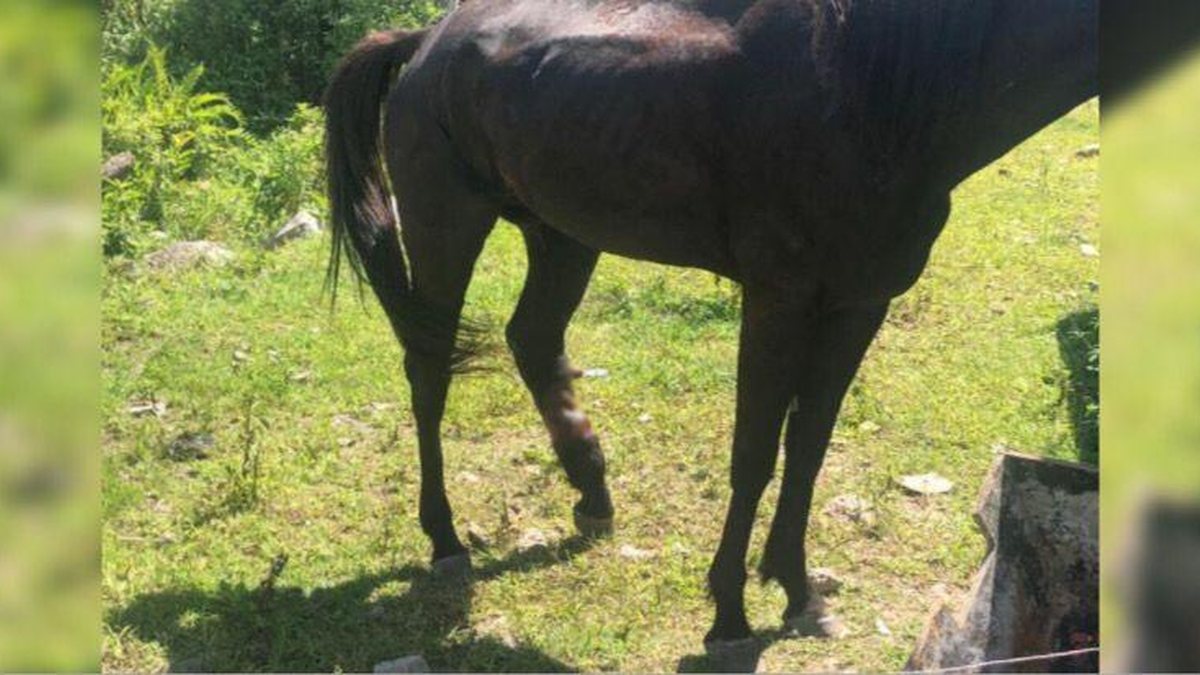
347, 627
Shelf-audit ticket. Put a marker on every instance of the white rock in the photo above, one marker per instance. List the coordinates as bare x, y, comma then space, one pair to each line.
530, 540
635, 553
926, 484
1089, 250
186, 254
595, 372
144, 408
852, 508
882, 628
303, 224
823, 581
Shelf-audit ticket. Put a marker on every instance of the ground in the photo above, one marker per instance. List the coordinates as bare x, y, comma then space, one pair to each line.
287, 538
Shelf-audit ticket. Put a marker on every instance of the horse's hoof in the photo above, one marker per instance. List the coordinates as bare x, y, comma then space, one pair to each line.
816, 621
592, 527
734, 656
453, 567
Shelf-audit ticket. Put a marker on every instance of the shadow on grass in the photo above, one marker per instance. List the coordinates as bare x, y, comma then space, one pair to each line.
1079, 346
348, 627
743, 663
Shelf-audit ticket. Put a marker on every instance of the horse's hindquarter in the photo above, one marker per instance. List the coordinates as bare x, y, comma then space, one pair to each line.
606, 123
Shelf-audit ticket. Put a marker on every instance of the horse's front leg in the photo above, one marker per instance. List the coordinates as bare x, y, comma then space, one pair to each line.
773, 335
838, 343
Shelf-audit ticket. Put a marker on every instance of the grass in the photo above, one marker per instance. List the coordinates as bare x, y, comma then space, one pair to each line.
291, 543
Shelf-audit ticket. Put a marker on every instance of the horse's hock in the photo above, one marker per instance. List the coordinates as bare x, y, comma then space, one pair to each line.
1037, 591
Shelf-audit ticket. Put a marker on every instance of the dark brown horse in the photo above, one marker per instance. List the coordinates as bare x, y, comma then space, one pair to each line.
804, 148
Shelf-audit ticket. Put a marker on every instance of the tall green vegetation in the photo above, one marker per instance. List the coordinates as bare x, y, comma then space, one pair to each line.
232, 165
268, 56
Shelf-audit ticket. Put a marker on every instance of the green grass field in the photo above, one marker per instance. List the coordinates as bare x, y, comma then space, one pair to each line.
313, 453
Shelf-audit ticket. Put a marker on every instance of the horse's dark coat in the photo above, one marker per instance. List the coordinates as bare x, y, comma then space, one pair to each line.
806, 148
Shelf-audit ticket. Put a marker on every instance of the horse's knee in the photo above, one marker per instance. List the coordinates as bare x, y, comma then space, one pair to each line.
750, 477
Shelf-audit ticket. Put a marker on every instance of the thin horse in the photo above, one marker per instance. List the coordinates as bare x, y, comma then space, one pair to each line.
805, 148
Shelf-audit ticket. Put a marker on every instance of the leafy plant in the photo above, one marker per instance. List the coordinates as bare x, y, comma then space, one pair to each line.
174, 131
269, 56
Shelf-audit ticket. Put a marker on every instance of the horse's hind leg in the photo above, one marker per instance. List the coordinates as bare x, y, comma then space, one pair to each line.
559, 271
444, 225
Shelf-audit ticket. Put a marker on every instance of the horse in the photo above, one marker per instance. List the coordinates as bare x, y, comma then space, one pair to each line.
805, 149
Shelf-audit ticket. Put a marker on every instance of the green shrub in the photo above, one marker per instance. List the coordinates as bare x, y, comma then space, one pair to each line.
198, 175
286, 171
268, 56
176, 134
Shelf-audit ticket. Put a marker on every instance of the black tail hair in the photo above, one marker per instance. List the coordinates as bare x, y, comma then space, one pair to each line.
362, 221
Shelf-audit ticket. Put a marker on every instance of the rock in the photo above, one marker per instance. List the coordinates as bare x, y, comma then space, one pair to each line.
925, 484
118, 167
1087, 151
496, 627
882, 628
144, 408
852, 508
823, 581
595, 373
634, 553
644, 418
188, 254
1039, 585
404, 664
531, 540
1089, 251
190, 446
302, 225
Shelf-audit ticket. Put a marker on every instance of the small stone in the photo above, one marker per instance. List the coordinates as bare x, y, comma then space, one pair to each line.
644, 418
302, 225
530, 540
144, 408
595, 373
241, 356
404, 664
882, 628
634, 553
852, 508
496, 627
118, 167
349, 422
823, 581
187, 254
1089, 250
1087, 151
926, 484
869, 427
190, 446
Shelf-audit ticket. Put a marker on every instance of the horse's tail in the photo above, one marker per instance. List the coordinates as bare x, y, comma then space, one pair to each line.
359, 198
360, 203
